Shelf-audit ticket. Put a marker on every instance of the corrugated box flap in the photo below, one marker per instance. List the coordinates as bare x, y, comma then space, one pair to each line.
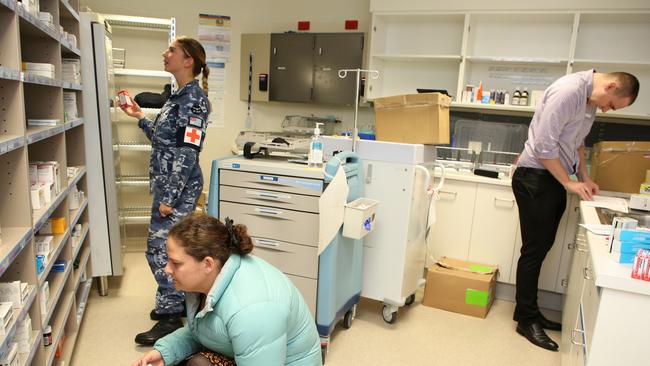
624, 146
413, 101
467, 267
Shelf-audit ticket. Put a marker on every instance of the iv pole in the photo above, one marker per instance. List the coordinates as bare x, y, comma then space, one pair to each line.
342, 74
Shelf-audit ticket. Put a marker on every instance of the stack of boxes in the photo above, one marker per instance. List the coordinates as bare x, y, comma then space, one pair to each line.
71, 70
70, 106
46, 18
43, 249
44, 179
32, 6
22, 338
39, 69
71, 38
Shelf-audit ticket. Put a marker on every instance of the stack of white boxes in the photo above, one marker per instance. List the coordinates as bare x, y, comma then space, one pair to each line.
44, 180
46, 18
9, 355
39, 69
71, 38
6, 314
23, 335
69, 106
32, 6
76, 198
71, 70
13, 292
44, 246
45, 298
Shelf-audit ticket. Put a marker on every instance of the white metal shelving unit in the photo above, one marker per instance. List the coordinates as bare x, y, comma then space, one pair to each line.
505, 50
129, 143
24, 38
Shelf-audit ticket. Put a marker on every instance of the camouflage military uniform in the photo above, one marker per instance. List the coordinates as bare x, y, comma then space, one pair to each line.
175, 178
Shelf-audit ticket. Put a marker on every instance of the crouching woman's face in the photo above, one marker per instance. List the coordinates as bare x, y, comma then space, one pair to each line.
188, 273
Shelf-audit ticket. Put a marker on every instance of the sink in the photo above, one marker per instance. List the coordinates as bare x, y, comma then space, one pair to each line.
606, 216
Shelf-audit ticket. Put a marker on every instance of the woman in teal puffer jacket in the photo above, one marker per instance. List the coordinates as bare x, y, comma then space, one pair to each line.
238, 306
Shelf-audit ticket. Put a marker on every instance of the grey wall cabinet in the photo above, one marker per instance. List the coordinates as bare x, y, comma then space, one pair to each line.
304, 67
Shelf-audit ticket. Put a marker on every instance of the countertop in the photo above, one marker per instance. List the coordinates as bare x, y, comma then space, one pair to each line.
607, 273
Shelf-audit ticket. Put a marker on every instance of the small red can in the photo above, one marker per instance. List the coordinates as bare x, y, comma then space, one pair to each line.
645, 264
124, 99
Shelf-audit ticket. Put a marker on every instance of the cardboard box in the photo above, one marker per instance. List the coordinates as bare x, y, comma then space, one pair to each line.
413, 118
460, 286
620, 166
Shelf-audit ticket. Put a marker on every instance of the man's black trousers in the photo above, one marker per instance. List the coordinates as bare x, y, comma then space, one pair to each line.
541, 200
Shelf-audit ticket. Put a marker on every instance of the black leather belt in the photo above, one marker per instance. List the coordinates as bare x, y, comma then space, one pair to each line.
534, 171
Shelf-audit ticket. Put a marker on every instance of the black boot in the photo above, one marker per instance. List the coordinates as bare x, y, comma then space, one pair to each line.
153, 315
536, 335
161, 329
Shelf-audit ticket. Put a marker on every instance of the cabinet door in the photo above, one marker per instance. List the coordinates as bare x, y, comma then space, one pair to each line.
333, 52
548, 277
573, 292
454, 214
590, 302
573, 218
494, 228
291, 75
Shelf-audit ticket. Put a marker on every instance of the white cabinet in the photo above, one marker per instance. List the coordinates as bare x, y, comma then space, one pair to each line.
554, 274
604, 321
494, 228
451, 233
477, 220
505, 50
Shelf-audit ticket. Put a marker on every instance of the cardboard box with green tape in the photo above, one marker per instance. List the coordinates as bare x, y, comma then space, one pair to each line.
461, 286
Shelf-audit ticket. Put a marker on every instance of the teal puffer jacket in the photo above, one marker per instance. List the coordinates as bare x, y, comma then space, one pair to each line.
252, 313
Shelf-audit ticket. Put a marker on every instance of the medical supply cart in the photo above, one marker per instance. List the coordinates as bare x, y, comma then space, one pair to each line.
279, 203
398, 175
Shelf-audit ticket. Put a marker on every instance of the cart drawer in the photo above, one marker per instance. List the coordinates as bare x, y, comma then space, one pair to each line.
251, 196
299, 260
308, 289
273, 223
312, 187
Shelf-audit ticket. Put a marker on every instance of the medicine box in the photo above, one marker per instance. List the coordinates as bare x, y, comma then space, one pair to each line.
59, 266
11, 356
53, 225
6, 313
45, 297
11, 292
44, 244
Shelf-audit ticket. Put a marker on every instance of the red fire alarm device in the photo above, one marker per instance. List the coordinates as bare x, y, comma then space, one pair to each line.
351, 24
303, 25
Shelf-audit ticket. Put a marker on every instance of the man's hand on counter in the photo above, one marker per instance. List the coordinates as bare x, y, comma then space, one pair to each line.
586, 190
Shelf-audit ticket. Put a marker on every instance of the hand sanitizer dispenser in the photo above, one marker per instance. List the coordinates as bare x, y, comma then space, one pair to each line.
315, 159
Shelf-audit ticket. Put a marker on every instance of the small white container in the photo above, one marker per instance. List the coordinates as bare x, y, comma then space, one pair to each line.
359, 218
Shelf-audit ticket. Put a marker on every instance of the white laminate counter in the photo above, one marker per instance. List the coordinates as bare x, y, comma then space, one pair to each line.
608, 273
470, 177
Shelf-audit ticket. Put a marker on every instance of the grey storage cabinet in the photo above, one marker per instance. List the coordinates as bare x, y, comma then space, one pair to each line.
304, 67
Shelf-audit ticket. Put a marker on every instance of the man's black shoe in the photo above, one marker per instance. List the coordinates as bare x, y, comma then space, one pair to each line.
548, 324
161, 329
155, 316
536, 335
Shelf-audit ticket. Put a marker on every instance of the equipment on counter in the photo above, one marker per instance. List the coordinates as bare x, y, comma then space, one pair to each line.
292, 141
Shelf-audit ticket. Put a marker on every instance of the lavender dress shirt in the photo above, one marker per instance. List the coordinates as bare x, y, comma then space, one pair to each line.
561, 122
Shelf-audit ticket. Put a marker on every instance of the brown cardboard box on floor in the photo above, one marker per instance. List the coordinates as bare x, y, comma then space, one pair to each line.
620, 166
413, 118
461, 286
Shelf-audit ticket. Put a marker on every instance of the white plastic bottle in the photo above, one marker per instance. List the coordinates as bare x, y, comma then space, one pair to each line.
524, 97
515, 97
315, 159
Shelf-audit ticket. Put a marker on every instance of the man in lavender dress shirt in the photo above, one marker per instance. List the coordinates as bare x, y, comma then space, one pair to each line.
553, 152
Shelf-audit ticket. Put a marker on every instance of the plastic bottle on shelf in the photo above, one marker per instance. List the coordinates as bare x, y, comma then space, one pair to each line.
523, 100
516, 96
479, 93
506, 98
315, 159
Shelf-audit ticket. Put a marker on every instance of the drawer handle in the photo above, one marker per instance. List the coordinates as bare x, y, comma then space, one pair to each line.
586, 274
510, 201
269, 195
268, 212
581, 247
455, 194
573, 340
269, 245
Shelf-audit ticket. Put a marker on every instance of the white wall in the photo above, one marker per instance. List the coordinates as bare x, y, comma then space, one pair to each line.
247, 16
448, 5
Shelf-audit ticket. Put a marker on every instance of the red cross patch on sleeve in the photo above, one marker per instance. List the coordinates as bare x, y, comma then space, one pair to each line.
190, 137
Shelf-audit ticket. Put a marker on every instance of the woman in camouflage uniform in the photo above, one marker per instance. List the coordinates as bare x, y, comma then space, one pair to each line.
176, 179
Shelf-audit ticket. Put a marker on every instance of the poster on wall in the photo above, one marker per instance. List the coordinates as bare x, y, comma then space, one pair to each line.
214, 35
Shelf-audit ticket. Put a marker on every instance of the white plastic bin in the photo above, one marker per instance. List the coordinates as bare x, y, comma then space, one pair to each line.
359, 218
